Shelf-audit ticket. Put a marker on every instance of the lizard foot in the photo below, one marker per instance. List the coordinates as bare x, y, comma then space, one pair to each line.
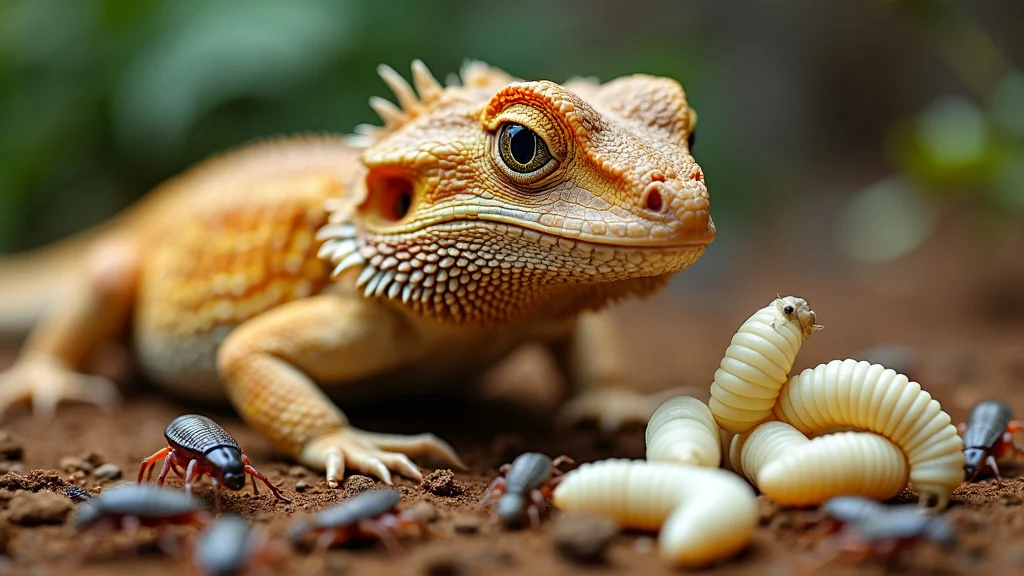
46, 382
374, 454
615, 408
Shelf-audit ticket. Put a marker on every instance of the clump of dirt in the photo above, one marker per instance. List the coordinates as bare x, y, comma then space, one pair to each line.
35, 481
11, 446
37, 508
443, 483
357, 484
584, 538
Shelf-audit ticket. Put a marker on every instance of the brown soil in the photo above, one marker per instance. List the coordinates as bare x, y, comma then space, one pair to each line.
965, 348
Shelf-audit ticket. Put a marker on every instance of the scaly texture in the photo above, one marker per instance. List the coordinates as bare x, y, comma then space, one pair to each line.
757, 363
877, 399
480, 215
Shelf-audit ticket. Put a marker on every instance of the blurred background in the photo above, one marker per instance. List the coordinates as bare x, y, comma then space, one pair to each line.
873, 149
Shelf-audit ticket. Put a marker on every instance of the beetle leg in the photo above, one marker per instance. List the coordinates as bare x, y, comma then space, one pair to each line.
327, 539
148, 463
162, 477
991, 462
563, 459
188, 476
1015, 426
251, 471
216, 494
494, 490
380, 528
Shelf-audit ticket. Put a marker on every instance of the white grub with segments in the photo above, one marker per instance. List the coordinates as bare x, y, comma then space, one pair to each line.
682, 430
704, 514
871, 397
793, 470
757, 363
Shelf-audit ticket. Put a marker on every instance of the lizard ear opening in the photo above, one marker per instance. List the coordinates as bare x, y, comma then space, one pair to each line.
390, 196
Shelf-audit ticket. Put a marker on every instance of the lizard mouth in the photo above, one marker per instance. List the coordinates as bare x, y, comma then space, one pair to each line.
466, 251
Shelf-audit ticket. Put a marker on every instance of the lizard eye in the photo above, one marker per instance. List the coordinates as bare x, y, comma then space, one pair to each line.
524, 155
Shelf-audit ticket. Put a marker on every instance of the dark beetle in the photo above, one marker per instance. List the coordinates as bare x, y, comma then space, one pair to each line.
201, 446
851, 508
77, 493
904, 523
372, 514
523, 488
134, 505
988, 436
230, 547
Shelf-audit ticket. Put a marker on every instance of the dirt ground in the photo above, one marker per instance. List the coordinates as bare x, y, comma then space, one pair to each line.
961, 316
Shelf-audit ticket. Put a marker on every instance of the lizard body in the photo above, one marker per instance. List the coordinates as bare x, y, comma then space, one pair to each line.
290, 272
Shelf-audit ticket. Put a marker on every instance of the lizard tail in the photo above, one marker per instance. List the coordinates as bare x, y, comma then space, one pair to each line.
30, 282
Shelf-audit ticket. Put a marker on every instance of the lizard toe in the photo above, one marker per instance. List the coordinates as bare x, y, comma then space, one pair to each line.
614, 408
376, 455
45, 383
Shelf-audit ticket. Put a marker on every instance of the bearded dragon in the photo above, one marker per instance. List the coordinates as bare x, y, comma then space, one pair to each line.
293, 272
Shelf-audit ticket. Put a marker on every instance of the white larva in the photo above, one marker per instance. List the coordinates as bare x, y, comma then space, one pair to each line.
757, 363
705, 514
793, 470
877, 399
682, 430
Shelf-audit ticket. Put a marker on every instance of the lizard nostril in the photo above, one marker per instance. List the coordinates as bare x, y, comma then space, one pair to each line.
653, 201
390, 195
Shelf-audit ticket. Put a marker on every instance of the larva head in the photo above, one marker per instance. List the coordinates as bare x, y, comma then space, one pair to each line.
500, 197
797, 310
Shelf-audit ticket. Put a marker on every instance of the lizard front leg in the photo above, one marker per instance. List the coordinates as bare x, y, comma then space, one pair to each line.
46, 370
270, 366
594, 363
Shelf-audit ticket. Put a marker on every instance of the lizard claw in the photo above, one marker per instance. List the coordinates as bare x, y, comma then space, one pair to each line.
615, 408
46, 382
374, 454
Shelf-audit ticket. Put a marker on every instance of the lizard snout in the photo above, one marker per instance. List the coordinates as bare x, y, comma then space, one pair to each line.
687, 210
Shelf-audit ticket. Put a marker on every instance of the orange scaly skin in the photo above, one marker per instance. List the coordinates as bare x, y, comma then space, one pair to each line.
413, 255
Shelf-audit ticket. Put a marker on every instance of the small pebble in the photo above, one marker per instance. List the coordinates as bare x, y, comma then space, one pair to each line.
643, 544
75, 464
7, 466
466, 524
302, 486
425, 511
584, 538
107, 471
443, 483
10, 446
95, 458
296, 471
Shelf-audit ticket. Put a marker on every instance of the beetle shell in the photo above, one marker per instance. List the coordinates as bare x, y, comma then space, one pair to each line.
198, 434
359, 507
873, 398
682, 430
225, 547
795, 471
705, 514
527, 472
140, 500
757, 363
851, 508
986, 424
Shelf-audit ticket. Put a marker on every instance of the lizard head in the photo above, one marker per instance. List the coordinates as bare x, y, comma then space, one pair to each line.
496, 197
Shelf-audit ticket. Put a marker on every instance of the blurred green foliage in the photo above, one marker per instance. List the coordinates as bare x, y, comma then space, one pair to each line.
101, 99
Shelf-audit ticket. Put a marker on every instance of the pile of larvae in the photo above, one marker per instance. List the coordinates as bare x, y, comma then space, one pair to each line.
842, 428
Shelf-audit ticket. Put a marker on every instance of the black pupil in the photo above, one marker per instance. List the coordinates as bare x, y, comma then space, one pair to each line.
522, 144
789, 309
